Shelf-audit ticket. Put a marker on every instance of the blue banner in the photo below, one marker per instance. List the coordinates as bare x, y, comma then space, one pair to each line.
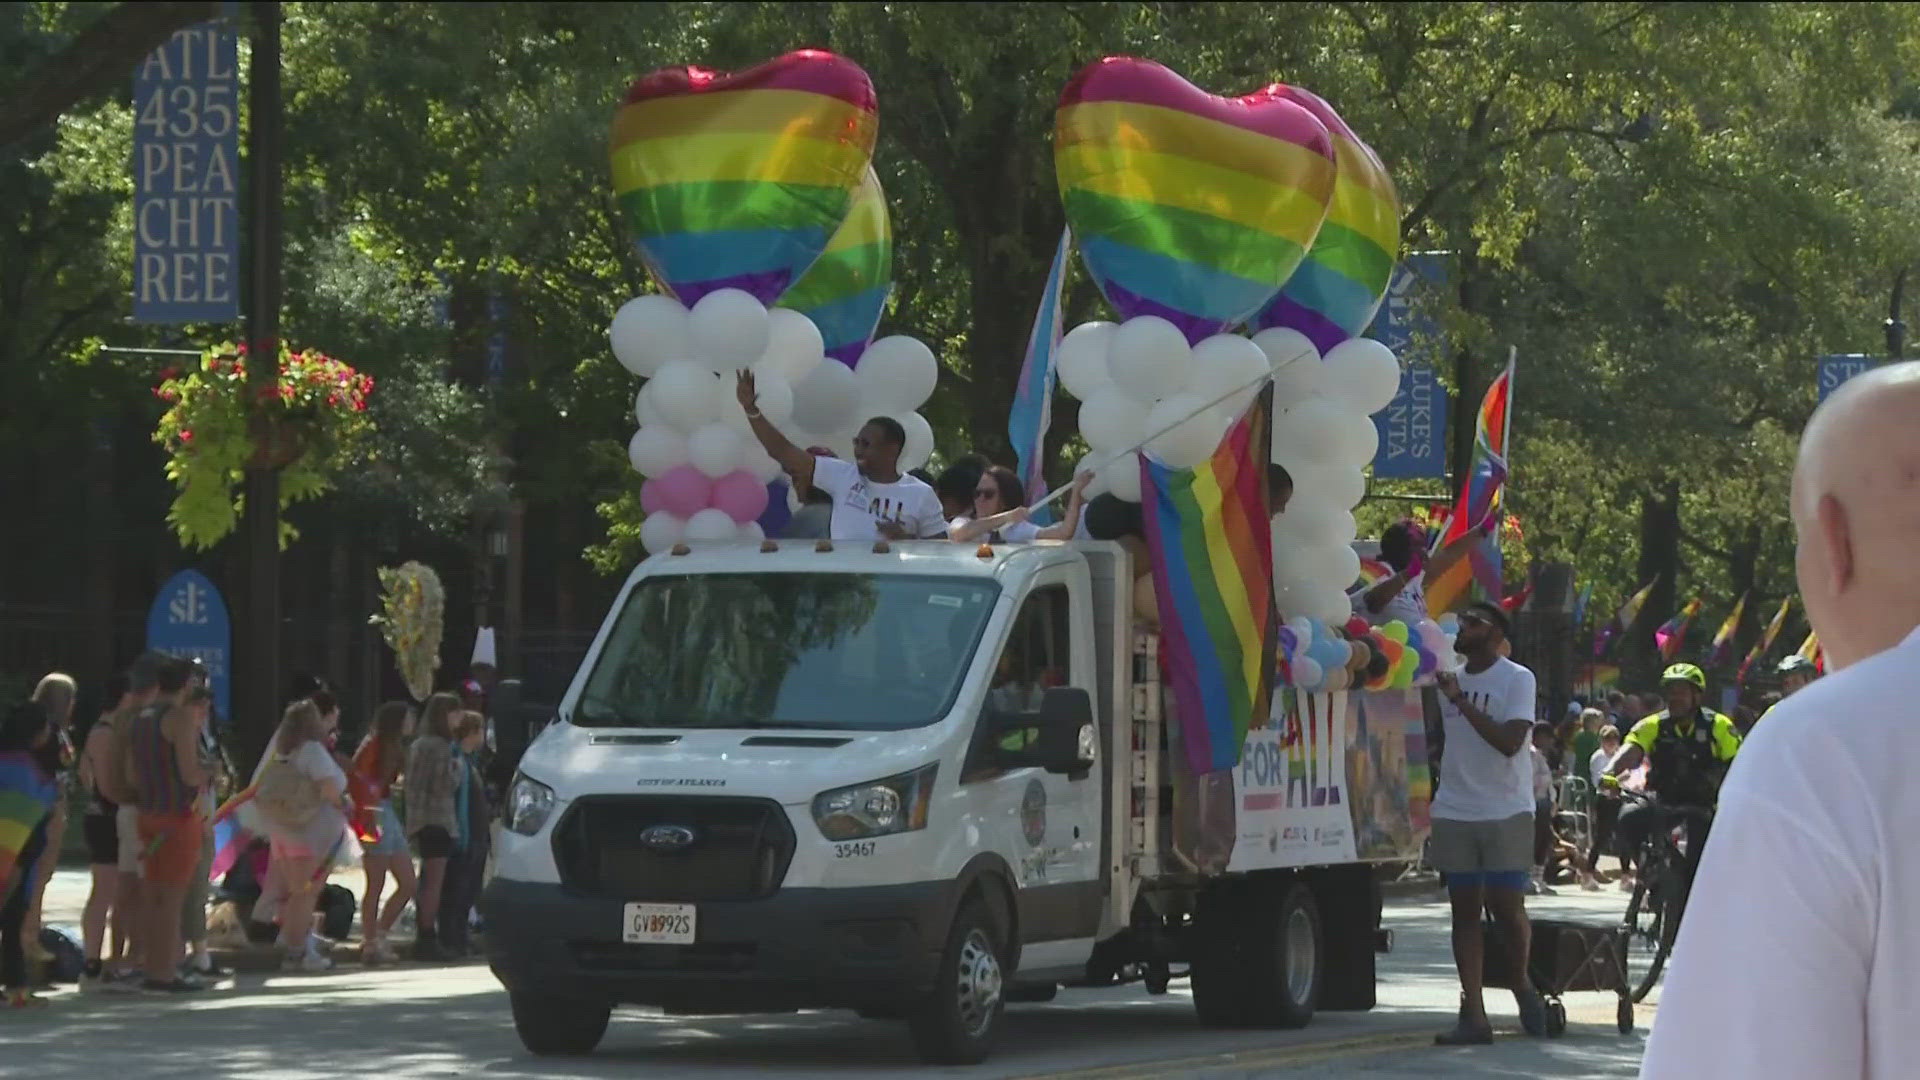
1831, 371
189, 620
1413, 427
186, 191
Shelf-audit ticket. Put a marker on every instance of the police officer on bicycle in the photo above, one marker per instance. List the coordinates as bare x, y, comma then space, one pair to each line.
1688, 748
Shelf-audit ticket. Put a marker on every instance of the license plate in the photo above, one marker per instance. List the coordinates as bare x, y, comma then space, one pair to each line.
658, 924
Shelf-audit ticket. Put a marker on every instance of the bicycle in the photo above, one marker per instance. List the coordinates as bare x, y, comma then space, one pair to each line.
1652, 920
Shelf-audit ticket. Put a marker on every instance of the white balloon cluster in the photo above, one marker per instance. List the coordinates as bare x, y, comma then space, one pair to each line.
1140, 378
706, 473
1323, 435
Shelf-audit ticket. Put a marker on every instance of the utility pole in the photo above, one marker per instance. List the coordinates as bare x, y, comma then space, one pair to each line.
259, 674
1897, 329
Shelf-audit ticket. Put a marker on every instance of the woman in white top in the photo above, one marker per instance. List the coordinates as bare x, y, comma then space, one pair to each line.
1000, 512
1403, 596
307, 826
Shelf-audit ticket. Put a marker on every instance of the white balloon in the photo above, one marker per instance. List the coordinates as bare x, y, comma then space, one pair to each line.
1110, 420
1359, 440
1121, 476
896, 374
729, 330
1328, 604
1316, 524
659, 532
1362, 373
793, 345
1191, 439
758, 462
825, 400
715, 449
645, 409
685, 394
1148, 358
752, 533
919, 446
1228, 362
1090, 462
1083, 358
1295, 362
1309, 429
711, 525
773, 396
655, 449
1306, 673
648, 331
1338, 486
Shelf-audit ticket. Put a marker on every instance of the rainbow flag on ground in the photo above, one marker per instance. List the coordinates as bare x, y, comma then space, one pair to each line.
1673, 633
1211, 549
1761, 647
1032, 409
1723, 638
1481, 497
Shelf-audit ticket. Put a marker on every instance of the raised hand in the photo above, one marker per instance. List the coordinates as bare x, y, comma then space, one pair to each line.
745, 392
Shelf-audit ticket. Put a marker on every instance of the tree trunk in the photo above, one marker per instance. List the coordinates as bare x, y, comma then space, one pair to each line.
102, 525
1660, 563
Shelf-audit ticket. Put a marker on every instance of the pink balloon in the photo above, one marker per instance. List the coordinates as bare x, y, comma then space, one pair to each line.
741, 495
683, 491
651, 500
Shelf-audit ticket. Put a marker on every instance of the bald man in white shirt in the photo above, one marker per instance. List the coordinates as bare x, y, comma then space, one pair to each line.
1800, 952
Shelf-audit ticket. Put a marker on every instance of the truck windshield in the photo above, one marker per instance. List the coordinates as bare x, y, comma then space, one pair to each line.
777, 650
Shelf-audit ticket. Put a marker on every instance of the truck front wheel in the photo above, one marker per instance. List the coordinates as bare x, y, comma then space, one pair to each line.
550, 1025
956, 1023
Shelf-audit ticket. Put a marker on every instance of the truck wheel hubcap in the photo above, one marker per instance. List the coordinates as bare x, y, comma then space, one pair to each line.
979, 989
1300, 958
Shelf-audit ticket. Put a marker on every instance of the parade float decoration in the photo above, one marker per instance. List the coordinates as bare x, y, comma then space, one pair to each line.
752, 200
215, 428
1321, 657
411, 619
1196, 216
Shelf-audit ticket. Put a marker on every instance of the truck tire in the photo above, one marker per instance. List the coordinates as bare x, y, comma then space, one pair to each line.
1216, 958
1286, 957
1350, 908
956, 1023
550, 1025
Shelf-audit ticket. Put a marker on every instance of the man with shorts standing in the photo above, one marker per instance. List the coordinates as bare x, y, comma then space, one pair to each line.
164, 747
1482, 840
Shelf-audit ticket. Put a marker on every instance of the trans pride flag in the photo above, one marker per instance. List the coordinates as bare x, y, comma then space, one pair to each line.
1033, 396
1481, 498
1211, 548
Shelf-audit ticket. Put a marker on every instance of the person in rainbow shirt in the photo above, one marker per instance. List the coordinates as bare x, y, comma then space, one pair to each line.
27, 793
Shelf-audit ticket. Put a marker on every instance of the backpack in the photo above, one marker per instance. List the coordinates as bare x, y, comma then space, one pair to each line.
285, 796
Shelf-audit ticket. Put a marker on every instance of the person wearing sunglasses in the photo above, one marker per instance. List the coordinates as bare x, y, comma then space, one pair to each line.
1483, 832
872, 498
1000, 511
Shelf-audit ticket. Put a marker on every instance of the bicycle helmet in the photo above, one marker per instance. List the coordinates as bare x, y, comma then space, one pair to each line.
1795, 665
1684, 673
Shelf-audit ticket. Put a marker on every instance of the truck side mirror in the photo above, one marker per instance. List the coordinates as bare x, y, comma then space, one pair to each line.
1065, 738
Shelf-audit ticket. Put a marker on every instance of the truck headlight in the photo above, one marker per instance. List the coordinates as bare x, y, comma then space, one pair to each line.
895, 805
529, 803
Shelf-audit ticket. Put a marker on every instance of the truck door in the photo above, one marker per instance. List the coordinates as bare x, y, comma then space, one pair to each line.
1054, 820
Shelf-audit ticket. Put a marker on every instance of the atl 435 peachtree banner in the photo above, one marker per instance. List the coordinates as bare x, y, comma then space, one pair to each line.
186, 168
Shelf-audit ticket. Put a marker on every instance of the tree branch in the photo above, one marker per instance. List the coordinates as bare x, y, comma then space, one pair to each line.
101, 58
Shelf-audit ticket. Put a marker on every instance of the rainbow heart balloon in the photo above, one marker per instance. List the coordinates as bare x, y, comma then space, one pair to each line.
845, 291
1334, 294
740, 180
1187, 205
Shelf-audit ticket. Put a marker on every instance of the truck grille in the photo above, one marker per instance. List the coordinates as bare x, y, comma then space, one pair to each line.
739, 851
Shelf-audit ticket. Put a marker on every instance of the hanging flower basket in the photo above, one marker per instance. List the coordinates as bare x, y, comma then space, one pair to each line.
215, 429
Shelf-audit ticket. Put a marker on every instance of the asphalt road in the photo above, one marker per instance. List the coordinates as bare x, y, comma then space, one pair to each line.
414, 1022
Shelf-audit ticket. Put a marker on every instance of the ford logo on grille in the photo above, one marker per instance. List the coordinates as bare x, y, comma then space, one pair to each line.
664, 838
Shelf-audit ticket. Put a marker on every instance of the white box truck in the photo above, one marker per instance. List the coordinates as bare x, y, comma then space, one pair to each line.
919, 781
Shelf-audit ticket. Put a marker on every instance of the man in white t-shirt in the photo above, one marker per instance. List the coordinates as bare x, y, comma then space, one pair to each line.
1801, 945
872, 498
1482, 840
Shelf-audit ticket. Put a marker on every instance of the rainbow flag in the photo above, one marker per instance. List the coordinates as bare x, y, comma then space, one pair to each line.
1032, 409
1673, 633
1211, 551
1481, 497
1761, 647
1623, 618
1723, 638
845, 290
1372, 572
27, 794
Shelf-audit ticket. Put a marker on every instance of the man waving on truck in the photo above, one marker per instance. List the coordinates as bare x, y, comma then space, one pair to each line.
872, 498
1482, 839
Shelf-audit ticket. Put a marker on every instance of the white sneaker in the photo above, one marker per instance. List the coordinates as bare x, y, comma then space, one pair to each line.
306, 962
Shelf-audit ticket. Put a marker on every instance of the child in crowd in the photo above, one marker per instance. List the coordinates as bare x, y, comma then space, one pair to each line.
472, 842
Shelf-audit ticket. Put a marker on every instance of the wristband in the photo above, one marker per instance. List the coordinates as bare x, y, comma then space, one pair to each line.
753, 414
